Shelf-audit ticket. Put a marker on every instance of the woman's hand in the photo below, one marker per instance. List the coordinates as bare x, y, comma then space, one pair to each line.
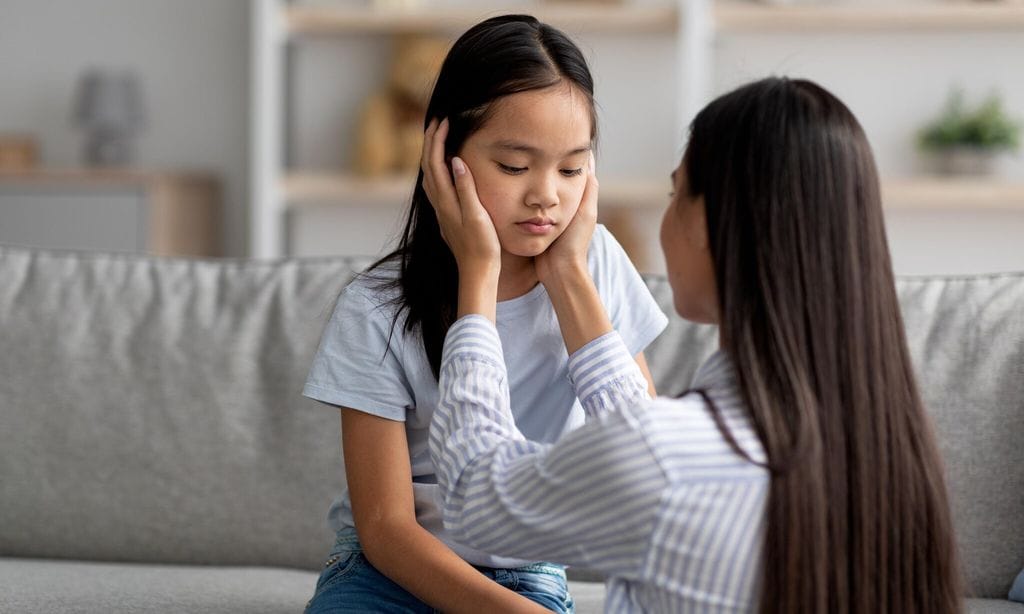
465, 225
568, 253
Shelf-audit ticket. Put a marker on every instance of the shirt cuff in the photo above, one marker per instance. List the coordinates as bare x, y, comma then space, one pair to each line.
599, 363
473, 336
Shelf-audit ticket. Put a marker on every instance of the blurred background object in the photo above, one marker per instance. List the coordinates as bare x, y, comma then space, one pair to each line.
966, 141
17, 152
390, 137
109, 110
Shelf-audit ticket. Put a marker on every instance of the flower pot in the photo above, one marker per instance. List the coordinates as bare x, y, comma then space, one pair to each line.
966, 161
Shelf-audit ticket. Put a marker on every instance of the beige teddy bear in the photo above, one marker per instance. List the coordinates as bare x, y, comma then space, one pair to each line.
391, 128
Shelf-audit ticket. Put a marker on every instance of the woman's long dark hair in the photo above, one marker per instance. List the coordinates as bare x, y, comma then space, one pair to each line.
495, 58
858, 518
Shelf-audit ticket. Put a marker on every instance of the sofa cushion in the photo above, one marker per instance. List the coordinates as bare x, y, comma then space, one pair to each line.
28, 585
966, 335
151, 409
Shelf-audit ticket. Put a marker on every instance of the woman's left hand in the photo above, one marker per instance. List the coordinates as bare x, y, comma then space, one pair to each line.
465, 225
568, 253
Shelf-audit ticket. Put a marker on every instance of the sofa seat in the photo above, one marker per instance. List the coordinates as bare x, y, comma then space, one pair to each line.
51, 585
48, 585
993, 606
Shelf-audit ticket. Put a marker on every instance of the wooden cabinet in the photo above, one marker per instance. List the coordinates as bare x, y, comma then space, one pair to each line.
167, 214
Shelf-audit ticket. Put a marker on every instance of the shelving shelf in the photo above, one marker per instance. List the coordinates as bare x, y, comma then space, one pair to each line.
330, 21
335, 189
949, 193
749, 16
941, 193
694, 26
732, 16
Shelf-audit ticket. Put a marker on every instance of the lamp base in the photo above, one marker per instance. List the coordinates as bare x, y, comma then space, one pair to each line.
105, 150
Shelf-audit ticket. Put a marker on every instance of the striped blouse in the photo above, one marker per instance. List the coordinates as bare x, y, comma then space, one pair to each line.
647, 491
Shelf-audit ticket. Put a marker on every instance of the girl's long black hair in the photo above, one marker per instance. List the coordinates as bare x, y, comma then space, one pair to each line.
495, 58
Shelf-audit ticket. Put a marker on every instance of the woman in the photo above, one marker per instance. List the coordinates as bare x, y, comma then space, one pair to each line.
800, 473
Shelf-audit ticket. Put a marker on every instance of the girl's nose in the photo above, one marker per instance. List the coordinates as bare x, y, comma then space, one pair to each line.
543, 193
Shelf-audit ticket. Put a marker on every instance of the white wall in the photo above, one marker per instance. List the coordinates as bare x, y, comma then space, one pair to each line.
192, 57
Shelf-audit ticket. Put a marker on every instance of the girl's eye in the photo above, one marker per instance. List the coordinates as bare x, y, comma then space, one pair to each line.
572, 172
512, 170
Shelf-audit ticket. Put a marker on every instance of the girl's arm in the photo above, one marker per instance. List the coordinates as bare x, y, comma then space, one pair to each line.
380, 486
591, 499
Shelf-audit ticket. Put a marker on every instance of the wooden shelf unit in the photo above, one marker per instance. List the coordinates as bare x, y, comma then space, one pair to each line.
182, 211
693, 23
735, 16
332, 21
336, 189
953, 193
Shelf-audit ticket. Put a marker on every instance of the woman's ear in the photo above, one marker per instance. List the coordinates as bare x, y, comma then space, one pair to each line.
697, 223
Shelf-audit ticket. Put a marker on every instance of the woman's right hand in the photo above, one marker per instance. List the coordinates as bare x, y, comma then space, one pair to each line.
465, 225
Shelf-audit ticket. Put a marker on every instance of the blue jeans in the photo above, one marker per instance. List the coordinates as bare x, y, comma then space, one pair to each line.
349, 583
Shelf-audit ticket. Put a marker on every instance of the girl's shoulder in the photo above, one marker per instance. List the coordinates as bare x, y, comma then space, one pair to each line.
605, 250
375, 290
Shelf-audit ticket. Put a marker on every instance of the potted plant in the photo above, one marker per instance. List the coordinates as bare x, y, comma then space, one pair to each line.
966, 141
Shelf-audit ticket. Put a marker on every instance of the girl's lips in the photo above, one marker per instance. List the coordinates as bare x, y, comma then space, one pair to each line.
536, 229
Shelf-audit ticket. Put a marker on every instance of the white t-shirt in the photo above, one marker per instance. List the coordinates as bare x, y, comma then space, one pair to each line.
356, 367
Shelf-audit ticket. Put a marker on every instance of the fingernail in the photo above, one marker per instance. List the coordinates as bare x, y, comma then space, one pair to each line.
458, 166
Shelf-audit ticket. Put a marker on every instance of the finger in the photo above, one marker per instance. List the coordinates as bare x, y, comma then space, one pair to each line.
428, 136
428, 180
469, 200
590, 192
442, 182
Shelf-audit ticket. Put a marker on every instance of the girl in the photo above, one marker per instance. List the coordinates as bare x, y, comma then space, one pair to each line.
519, 101
800, 473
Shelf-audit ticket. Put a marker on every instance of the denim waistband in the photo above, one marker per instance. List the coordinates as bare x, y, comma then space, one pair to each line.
347, 540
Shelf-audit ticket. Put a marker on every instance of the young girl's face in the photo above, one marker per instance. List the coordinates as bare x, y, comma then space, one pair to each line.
529, 163
684, 240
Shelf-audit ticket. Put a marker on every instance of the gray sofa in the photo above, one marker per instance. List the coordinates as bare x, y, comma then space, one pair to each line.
155, 453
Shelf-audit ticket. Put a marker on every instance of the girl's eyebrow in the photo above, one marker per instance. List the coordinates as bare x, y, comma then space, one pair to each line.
510, 145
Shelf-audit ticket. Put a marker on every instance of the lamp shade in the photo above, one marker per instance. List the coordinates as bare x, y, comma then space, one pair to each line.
109, 101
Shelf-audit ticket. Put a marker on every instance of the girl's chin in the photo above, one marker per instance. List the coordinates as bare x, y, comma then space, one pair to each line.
527, 249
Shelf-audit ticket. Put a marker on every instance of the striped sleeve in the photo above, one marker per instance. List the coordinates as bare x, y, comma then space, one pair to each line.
590, 500
606, 376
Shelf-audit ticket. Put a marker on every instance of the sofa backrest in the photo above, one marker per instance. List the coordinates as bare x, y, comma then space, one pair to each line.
150, 409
